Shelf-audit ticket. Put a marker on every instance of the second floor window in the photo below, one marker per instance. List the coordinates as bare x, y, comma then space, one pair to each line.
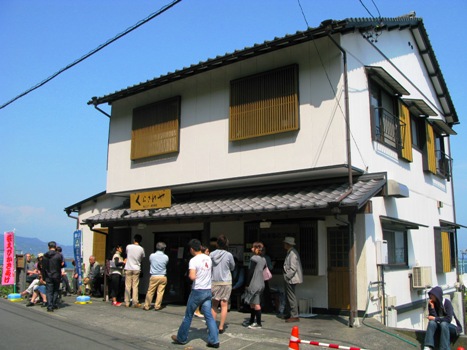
155, 129
264, 104
386, 123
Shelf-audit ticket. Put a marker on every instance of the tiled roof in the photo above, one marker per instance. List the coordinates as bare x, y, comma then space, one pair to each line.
309, 197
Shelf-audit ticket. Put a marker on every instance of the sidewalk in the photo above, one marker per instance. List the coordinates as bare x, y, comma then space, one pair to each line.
152, 329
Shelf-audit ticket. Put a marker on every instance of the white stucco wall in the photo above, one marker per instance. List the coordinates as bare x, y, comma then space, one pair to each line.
205, 151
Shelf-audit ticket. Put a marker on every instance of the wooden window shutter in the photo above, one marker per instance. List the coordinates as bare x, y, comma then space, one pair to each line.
264, 104
430, 155
446, 249
406, 133
155, 129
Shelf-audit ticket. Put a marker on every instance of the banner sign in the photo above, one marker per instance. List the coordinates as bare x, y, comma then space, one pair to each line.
8, 275
78, 257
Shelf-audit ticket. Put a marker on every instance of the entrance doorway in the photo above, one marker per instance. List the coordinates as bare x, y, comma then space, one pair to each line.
178, 283
338, 268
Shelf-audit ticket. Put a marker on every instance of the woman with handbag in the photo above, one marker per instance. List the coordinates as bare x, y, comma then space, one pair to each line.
255, 286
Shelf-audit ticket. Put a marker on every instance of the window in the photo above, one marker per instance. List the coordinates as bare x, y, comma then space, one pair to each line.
435, 159
264, 104
445, 252
386, 123
443, 161
397, 247
418, 131
155, 129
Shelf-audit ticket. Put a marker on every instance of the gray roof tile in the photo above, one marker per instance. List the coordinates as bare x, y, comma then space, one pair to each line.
309, 197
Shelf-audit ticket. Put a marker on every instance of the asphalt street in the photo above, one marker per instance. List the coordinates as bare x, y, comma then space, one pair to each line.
99, 325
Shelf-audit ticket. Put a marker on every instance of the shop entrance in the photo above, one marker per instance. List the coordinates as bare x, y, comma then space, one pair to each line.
178, 283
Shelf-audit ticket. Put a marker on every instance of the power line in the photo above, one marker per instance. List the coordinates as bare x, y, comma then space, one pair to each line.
92, 52
329, 80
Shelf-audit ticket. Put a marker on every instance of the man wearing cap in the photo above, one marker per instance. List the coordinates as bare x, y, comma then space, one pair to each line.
293, 275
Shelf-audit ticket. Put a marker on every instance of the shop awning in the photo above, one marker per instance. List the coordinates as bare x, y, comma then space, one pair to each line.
311, 197
396, 223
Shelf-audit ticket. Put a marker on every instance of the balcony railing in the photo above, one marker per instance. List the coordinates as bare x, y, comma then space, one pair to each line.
388, 128
443, 164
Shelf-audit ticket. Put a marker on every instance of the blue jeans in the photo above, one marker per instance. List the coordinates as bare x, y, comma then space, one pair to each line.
446, 332
202, 298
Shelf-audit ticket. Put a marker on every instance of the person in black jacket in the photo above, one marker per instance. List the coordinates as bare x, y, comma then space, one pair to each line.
440, 316
52, 274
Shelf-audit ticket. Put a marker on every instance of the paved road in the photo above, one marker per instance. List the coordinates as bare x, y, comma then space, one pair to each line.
101, 326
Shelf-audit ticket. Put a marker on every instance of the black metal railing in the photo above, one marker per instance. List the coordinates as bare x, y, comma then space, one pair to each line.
388, 128
443, 164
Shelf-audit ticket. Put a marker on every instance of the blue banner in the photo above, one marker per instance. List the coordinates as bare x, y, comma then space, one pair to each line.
78, 257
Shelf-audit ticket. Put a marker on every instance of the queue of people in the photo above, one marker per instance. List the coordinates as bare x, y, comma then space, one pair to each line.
214, 272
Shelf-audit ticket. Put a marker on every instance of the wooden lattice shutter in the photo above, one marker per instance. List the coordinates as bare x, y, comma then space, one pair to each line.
430, 153
406, 134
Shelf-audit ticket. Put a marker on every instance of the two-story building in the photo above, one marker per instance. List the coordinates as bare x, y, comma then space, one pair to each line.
336, 135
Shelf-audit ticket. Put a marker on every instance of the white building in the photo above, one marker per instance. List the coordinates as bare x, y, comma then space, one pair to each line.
327, 135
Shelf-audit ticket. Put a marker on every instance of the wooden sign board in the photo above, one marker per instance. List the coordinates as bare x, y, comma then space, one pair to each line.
151, 200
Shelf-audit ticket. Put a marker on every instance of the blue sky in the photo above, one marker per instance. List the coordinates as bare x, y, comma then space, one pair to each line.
54, 146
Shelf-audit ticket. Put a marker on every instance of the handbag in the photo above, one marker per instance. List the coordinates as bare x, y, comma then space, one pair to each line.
267, 275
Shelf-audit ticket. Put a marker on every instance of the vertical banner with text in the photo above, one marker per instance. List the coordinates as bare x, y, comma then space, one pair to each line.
8, 275
78, 257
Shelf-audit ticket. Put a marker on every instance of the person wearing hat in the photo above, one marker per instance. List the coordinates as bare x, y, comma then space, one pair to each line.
293, 275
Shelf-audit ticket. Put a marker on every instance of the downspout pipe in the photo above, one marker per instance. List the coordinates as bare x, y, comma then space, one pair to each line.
353, 317
346, 109
73, 217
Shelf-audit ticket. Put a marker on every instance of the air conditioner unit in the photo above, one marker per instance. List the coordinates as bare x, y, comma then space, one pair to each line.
421, 277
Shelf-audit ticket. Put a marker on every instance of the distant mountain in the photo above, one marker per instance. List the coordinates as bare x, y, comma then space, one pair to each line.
34, 246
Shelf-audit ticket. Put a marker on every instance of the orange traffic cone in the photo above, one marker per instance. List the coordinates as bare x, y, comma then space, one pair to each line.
294, 343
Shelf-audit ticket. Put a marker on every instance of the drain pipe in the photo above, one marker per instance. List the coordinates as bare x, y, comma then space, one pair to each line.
73, 217
94, 103
347, 113
353, 317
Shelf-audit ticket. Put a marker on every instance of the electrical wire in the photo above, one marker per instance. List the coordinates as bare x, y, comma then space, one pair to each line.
92, 52
332, 87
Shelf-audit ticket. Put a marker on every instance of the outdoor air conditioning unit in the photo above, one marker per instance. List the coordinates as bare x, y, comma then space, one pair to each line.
421, 277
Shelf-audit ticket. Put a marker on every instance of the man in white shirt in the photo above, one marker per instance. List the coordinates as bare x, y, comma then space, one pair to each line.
200, 273
134, 256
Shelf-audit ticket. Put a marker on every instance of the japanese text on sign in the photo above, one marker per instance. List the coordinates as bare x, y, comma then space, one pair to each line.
151, 200
8, 275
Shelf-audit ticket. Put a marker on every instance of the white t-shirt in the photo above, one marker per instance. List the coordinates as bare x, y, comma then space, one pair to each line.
202, 264
134, 256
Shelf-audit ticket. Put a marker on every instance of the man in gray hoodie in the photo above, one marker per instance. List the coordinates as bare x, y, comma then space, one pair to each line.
223, 264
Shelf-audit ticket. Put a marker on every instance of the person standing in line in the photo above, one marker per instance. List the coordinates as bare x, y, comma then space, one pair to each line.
204, 250
223, 264
52, 274
134, 256
199, 271
158, 280
255, 286
115, 276
293, 275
